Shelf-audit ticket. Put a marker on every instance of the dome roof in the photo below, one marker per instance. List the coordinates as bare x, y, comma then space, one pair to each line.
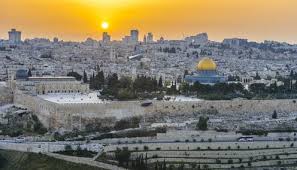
206, 64
21, 74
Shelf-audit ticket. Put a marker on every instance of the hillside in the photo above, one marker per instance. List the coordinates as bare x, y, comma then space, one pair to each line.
12, 160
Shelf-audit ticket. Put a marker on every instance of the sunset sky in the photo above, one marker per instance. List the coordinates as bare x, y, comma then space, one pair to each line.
78, 19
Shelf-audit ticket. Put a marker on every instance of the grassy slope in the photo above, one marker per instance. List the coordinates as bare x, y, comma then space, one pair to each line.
11, 160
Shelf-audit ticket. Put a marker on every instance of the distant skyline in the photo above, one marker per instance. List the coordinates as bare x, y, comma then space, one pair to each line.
76, 20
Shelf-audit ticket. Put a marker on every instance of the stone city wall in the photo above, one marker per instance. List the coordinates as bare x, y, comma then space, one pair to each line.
43, 109
237, 107
6, 96
70, 116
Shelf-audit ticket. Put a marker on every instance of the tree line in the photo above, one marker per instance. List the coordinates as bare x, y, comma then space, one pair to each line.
142, 87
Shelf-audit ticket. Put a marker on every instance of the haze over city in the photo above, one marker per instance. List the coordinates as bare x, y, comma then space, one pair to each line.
77, 20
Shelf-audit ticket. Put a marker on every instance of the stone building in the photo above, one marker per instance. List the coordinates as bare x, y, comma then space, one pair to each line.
46, 85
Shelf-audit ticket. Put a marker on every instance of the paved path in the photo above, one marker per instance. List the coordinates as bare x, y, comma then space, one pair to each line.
98, 154
86, 161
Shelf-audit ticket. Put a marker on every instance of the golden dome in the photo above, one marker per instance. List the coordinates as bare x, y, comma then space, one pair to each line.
206, 64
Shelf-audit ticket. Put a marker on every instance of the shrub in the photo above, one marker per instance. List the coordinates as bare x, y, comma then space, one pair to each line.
155, 156
274, 115
193, 165
254, 132
205, 166
127, 123
122, 156
68, 148
146, 148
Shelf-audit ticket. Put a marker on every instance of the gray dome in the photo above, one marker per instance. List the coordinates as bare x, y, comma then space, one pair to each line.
21, 74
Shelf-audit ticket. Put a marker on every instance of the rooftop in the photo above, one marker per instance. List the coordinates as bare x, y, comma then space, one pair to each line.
72, 98
49, 78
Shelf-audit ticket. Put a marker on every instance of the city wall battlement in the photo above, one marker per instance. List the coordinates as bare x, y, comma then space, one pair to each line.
70, 116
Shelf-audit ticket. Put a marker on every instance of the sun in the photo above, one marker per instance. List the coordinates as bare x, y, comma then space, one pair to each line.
104, 25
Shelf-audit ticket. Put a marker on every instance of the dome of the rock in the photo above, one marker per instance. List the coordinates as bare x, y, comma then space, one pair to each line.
206, 64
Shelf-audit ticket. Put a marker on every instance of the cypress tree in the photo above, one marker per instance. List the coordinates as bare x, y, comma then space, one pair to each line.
85, 77
160, 84
29, 73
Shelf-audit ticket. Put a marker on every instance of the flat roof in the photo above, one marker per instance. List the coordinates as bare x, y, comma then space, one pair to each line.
72, 98
48, 78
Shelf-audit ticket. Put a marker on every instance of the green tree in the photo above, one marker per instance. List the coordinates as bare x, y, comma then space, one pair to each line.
68, 148
160, 83
257, 77
186, 73
75, 74
202, 123
122, 156
85, 77
274, 115
29, 73
92, 82
99, 80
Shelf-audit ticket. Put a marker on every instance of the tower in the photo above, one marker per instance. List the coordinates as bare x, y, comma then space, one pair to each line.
134, 36
105, 37
15, 36
150, 37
